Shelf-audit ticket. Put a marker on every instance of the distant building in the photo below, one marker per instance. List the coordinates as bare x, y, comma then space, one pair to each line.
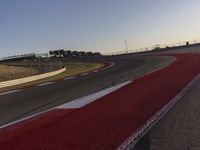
57, 53
42, 55
156, 47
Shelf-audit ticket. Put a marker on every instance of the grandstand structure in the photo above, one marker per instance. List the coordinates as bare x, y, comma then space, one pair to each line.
61, 53
19, 57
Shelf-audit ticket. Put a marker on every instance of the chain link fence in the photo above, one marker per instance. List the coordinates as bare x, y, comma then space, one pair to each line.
156, 47
17, 70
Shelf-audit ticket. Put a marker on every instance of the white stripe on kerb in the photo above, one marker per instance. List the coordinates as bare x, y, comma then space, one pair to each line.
5, 93
85, 74
25, 118
69, 78
80, 102
46, 84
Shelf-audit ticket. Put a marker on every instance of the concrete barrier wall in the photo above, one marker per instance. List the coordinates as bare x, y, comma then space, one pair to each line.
30, 79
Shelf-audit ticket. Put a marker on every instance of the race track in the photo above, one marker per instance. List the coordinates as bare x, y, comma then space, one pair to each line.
110, 120
23, 103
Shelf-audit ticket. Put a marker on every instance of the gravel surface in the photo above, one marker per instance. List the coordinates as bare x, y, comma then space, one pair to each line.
180, 128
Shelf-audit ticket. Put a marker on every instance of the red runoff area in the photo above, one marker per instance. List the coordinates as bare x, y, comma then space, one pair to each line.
106, 123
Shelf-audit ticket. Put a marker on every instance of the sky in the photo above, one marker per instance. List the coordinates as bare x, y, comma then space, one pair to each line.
95, 25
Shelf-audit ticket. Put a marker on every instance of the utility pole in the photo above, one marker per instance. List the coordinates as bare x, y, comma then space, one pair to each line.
126, 46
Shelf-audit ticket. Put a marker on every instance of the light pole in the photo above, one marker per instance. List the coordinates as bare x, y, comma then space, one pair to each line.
126, 46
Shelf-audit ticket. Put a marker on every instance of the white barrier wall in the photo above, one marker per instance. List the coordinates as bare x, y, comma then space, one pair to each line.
30, 79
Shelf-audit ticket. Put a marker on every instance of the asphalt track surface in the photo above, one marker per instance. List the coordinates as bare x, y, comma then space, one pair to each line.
14, 106
108, 122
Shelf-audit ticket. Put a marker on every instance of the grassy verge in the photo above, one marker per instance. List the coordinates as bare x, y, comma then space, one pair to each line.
73, 69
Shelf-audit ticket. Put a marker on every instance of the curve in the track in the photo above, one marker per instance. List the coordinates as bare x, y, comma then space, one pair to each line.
105, 65
18, 104
107, 122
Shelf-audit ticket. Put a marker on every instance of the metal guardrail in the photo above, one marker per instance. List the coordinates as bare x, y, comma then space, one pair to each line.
155, 47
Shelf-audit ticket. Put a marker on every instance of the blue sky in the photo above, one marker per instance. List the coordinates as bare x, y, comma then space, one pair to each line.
96, 25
